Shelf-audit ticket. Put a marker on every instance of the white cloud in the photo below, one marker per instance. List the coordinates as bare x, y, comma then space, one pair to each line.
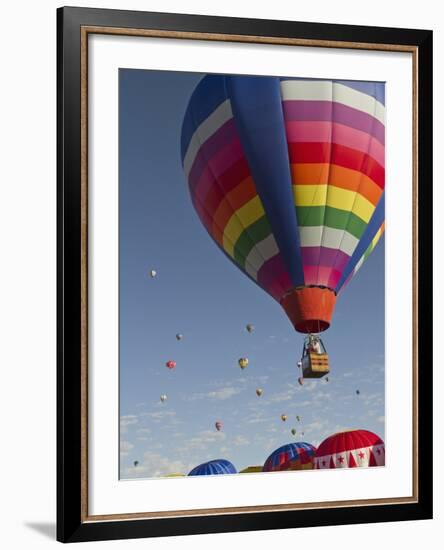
127, 420
220, 394
125, 447
240, 440
156, 465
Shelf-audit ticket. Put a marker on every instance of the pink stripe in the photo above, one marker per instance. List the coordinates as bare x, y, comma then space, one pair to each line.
326, 132
273, 277
321, 275
206, 171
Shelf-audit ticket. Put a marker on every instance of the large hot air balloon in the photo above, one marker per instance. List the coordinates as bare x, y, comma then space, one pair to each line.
294, 456
287, 176
351, 449
220, 466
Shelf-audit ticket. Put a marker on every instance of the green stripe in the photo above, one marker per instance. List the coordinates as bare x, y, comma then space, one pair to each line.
253, 234
309, 216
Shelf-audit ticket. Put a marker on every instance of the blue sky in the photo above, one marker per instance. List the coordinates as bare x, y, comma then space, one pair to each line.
197, 292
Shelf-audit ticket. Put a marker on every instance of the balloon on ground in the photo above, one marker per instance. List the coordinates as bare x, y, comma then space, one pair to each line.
293, 456
351, 449
213, 467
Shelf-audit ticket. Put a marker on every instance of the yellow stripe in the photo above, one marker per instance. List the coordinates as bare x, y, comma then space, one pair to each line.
342, 199
239, 221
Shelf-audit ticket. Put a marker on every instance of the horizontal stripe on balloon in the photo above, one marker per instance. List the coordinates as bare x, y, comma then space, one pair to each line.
337, 176
332, 91
327, 257
256, 233
338, 155
206, 171
259, 254
334, 112
329, 195
205, 131
274, 278
320, 275
330, 217
325, 132
222, 207
239, 221
328, 237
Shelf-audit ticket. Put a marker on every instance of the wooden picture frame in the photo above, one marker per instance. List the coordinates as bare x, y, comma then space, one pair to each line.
74, 26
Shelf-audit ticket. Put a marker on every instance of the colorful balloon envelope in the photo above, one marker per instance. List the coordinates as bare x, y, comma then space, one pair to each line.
287, 175
213, 467
294, 456
350, 449
219, 425
170, 364
243, 362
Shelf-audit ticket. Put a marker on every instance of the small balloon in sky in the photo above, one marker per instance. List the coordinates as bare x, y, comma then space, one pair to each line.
170, 364
259, 392
250, 328
163, 398
153, 273
218, 425
293, 431
136, 463
358, 392
243, 362
301, 381
299, 364
179, 336
326, 378
298, 418
284, 417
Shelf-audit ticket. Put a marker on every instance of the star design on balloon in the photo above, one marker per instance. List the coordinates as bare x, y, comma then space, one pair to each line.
361, 455
341, 459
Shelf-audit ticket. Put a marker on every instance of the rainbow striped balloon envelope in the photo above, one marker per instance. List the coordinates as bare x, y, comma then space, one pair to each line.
294, 456
287, 176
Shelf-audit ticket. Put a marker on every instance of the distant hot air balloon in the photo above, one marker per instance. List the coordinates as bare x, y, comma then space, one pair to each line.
243, 362
293, 431
250, 328
163, 398
299, 364
351, 449
179, 336
259, 392
298, 418
326, 378
284, 417
358, 392
294, 456
170, 364
301, 381
153, 273
136, 463
218, 425
287, 175
213, 467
